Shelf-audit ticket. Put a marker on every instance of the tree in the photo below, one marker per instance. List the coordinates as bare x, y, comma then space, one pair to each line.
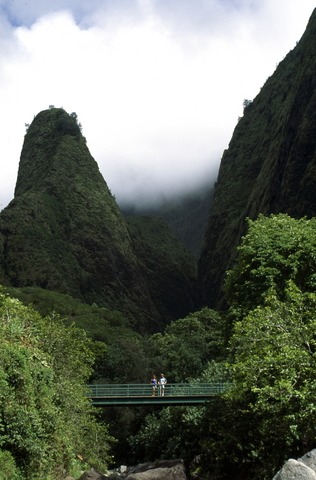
246, 103
275, 249
188, 344
273, 374
8, 468
44, 410
270, 409
172, 433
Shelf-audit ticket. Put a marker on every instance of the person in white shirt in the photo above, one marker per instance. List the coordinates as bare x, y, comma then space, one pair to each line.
162, 383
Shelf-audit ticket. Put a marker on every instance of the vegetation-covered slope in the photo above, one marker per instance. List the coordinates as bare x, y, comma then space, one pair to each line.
268, 414
63, 231
270, 165
168, 268
46, 419
186, 215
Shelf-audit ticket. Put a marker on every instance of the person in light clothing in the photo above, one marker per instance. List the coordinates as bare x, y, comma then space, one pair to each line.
162, 383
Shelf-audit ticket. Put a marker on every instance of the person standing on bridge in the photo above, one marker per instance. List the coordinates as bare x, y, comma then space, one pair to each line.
162, 383
153, 382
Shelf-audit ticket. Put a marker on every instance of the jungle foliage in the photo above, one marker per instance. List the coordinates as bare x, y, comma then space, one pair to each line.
187, 345
118, 350
270, 408
92, 287
47, 422
264, 345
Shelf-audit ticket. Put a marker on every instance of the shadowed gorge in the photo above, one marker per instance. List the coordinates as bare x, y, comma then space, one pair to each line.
186, 216
168, 268
270, 165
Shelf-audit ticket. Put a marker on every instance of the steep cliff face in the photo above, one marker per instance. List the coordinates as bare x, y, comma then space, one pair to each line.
270, 165
63, 230
167, 266
186, 215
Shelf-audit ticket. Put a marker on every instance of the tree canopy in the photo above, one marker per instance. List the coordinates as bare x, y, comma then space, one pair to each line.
275, 249
188, 344
272, 352
46, 418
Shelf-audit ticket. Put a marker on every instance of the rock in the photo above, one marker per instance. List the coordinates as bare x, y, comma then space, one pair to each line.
159, 470
295, 470
309, 459
92, 475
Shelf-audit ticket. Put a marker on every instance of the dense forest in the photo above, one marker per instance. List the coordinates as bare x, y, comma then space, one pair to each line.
89, 295
264, 346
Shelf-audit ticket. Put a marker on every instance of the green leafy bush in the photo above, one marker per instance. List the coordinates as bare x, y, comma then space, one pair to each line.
269, 414
8, 468
46, 418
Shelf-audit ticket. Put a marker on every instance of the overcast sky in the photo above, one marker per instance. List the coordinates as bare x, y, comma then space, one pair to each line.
157, 85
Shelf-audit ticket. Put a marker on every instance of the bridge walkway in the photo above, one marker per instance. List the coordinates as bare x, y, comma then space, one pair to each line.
142, 394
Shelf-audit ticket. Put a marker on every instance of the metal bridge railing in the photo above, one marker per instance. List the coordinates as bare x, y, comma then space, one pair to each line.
145, 389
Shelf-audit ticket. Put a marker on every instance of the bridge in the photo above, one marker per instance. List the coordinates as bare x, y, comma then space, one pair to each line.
142, 394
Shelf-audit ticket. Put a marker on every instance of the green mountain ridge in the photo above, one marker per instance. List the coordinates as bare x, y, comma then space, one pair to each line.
269, 166
63, 231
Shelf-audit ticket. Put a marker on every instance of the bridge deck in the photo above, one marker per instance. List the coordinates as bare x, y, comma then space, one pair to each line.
142, 394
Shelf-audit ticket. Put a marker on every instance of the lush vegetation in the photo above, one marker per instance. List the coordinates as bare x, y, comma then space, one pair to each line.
187, 345
46, 423
64, 232
118, 349
270, 409
90, 296
265, 345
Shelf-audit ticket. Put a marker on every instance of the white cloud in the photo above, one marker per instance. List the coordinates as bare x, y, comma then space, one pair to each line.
158, 89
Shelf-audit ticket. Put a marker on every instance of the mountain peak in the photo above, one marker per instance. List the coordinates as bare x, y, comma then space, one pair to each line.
47, 131
64, 231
